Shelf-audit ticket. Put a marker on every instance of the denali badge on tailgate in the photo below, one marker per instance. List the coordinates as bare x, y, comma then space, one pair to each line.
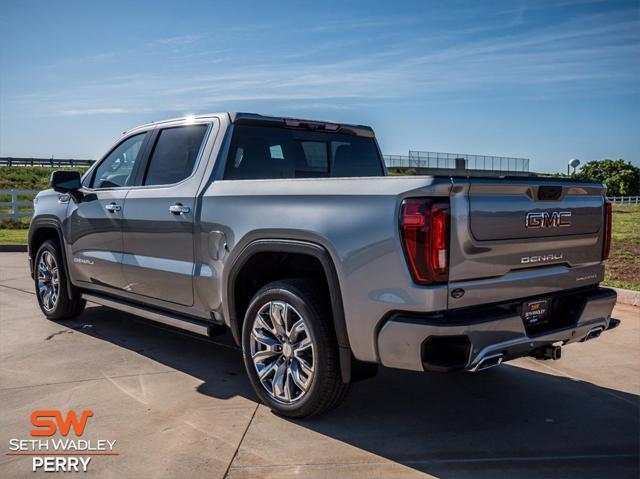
541, 258
545, 219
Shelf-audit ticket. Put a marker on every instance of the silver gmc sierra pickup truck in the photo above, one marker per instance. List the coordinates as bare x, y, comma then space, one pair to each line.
290, 234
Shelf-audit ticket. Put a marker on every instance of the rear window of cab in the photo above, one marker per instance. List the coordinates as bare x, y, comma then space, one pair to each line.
263, 152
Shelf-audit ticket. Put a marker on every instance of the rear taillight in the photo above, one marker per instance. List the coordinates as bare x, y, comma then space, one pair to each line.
608, 213
424, 226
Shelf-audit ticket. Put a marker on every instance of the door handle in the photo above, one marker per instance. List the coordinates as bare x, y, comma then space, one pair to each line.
178, 209
112, 207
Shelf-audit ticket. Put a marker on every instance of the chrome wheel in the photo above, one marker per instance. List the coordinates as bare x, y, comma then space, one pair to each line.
282, 351
48, 281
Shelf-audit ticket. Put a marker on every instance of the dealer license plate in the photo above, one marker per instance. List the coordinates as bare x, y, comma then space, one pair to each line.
535, 312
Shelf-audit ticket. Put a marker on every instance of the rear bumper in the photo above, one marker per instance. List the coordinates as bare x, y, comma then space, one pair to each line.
462, 340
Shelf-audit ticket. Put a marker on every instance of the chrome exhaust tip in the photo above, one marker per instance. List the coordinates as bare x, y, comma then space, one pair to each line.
488, 362
593, 333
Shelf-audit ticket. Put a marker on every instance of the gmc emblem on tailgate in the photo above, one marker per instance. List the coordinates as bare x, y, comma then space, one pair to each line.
545, 219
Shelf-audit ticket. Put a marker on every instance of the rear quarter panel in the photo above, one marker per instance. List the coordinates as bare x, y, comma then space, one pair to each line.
354, 219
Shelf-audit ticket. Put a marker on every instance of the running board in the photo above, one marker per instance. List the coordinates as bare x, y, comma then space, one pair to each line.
181, 322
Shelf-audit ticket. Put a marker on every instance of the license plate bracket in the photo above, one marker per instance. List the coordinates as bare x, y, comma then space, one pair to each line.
535, 312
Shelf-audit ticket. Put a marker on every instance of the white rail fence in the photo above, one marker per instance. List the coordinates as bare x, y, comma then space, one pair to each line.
47, 162
625, 200
20, 205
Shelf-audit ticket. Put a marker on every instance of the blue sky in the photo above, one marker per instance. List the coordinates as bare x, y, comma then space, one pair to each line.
546, 80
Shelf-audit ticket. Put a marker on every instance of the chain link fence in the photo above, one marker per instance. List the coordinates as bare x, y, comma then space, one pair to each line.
457, 161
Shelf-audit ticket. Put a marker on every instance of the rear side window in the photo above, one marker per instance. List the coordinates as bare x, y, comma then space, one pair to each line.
174, 155
260, 152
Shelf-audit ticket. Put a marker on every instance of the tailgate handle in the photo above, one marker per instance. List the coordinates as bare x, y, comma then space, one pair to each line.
549, 192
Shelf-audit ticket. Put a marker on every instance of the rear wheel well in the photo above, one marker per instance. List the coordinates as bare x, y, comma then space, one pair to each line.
264, 261
264, 267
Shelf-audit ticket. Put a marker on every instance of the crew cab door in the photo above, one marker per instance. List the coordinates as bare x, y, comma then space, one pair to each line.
158, 259
94, 223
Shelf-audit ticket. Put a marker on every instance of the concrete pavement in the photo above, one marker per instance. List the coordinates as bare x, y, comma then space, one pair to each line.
179, 405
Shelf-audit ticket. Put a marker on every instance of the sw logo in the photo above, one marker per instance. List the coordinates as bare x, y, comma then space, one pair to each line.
48, 427
59, 454
545, 219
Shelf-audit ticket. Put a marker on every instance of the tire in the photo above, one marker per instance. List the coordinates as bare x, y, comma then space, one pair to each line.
51, 285
287, 387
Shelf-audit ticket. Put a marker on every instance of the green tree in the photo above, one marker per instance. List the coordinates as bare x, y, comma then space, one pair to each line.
621, 177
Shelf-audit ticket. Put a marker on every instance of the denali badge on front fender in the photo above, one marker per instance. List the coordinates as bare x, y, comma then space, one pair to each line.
541, 258
545, 219
82, 260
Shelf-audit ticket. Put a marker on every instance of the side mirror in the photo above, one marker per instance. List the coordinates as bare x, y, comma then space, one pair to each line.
65, 181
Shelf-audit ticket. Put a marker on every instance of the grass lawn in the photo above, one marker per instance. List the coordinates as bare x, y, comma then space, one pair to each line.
13, 236
28, 177
623, 267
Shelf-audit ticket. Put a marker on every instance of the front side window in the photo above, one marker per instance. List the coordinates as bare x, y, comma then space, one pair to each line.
174, 154
262, 152
116, 169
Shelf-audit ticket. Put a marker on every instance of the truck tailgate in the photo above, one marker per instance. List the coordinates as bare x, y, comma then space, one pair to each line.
520, 237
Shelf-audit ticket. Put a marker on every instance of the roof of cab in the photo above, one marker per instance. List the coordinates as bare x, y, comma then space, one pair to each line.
268, 120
